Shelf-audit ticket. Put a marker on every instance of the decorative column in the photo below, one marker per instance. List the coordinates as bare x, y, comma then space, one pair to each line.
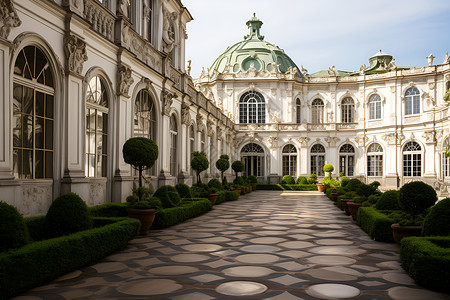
429, 161
209, 148
392, 159
184, 176
331, 152
304, 141
274, 177
165, 177
361, 167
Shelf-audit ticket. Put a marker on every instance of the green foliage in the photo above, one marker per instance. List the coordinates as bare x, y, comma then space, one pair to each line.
170, 216
375, 184
312, 179
287, 179
13, 231
427, 261
41, 262
366, 190
183, 190
238, 166
214, 183
326, 181
359, 199
223, 164
344, 181
353, 185
221, 197
334, 183
388, 201
67, 214
404, 219
239, 180
36, 228
415, 197
147, 203
328, 168
111, 210
437, 222
288, 187
302, 180
373, 199
224, 156
252, 179
168, 195
138, 194
199, 191
199, 163
212, 190
231, 195
341, 174
375, 223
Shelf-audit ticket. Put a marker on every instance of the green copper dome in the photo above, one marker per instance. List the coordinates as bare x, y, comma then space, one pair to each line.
253, 52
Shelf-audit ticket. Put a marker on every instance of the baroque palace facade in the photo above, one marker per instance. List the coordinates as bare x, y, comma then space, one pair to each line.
80, 77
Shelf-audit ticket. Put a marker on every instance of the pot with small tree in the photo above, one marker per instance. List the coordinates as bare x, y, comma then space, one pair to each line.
253, 180
414, 199
199, 163
326, 181
238, 166
223, 164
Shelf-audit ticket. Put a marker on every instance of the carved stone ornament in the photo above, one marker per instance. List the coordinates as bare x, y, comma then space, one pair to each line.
125, 80
75, 50
8, 18
219, 133
304, 140
123, 7
185, 114
210, 126
169, 23
332, 141
429, 137
273, 140
393, 138
361, 140
167, 98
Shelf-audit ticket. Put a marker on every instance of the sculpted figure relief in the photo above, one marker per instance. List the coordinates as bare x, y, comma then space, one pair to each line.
75, 50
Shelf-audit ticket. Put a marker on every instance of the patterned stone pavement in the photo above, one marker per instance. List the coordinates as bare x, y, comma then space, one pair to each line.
267, 245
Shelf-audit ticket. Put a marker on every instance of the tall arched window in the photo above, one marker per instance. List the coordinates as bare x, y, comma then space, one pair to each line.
347, 110
290, 160
253, 157
412, 160
317, 110
191, 145
33, 115
96, 128
446, 160
298, 111
375, 160
317, 159
173, 128
412, 101
347, 159
252, 108
375, 107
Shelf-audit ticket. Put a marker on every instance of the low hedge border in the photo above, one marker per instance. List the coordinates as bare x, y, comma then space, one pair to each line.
188, 209
43, 261
226, 196
376, 224
286, 187
427, 261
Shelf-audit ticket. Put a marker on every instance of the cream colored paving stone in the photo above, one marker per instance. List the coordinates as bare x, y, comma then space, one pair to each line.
166, 250
365, 268
295, 253
276, 228
235, 244
267, 240
180, 242
301, 237
248, 271
127, 256
70, 275
191, 296
152, 245
338, 250
329, 275
173, 270
202, 247
331, 233
248, 224
216, 239
406, 293
292, 266
332, 291
296, 245
77, 293
149, 287
219, 263
331, 260
92, 281
189, 257
371, 283
400, 278
344, 270
106, 267
260, 248
149, 261
241, 288
284, 296
269, 232
257, 258
390, 265
384, 256
287, 280
225, 253
204, 278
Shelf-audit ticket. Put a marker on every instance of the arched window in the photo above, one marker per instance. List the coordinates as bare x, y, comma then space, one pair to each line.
347, 110
33, 115
317, 111
375, 160
317, 159
253, 157
412, 160
96, 128
375, 107
298, 111
173, 128
446, 159
191, 145
252, 108
412, 101
347, 159
290, 160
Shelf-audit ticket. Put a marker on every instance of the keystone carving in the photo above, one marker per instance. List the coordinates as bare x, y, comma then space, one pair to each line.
167, 98
75, 50
304, 140
273, 142
8, 18
332, 141
361, 140
429, 137
185, 115
125, 80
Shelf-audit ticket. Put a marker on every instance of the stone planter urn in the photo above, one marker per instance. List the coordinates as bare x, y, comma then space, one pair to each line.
253, 186
400, 232
345, 206
213, 198
145, 216
320, 187
353, 208
239, 190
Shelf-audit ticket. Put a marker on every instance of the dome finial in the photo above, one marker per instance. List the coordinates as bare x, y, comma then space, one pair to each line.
254, 24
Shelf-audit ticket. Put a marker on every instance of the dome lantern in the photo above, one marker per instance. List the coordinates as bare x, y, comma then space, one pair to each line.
254, 24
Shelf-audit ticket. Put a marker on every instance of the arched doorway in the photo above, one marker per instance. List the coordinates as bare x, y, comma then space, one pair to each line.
252, 155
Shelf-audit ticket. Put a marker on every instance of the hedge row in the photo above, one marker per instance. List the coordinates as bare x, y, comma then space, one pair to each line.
188, 209
224, 196
427, 261
43, 261
287, 187
376, 224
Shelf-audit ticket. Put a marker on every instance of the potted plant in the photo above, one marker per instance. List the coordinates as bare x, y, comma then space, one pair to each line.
354, 205
237, 166
223, 164
414, 199
253, 180
144, 210
326, 181
212, 195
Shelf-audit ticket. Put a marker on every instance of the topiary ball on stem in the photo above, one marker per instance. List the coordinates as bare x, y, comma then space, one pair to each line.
13, 231
328, 168
437, 222
184, 190
415, 197
168, 195
223, 164
199, 163
238, 166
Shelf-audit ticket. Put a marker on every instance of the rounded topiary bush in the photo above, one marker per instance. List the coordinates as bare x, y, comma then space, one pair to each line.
353, 184
168, 195
67, 214
214, 183
184, 190
312, 178
199, 163
328, 168
437, 222
302, 180
388, 201
252, 179
415, 197
13, 231
239, 180
287, 179
344, 181
238, 166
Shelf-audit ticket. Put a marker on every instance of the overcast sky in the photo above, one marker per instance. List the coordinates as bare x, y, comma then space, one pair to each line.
321, 33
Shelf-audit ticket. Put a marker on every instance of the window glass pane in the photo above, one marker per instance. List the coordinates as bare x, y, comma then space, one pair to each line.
39, 133
27, 131
40, 104
49, 106
27, 164
39, 165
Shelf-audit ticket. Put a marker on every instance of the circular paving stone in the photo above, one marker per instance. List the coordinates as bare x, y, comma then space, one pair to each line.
202, 247
106, 267
338, 250
257, 258
125, 256
189, 257
267, 240
241, 288
188, 234
332, 291
260, 248
296, 245
333, 242
173, 270
331, 260
248, 271
148, 287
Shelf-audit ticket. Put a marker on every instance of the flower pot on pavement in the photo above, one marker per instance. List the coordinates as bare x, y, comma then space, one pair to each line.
145, 216
353, 208
213, 198
400, 232
345, 206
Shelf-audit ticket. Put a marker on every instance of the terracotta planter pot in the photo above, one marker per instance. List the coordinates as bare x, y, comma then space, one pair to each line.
345, 206
253, 186
320, 187
334, 195
239, 190
400, 232
146, 216
213, 198
353, 208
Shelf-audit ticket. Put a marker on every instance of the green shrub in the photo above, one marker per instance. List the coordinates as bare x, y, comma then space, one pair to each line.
388, 201
221, 197
238, 180
67, 214
344, 181
147, 203
231, 195
289, 187
36, 228
252, 179
223, 164
168, 195
328, 168
237, 166
415, 197
214, 183
199, 163
375, 184
329, 192
312, 179
334, 183
183, 190
212, 190
359, 199
111, 210
40, 262
287, 179
404, 219
13, 231
170, 216
427, 261
302, 180
375, 223
373, 199
437, 222
326, 181
353, 185
199, 191
365, 190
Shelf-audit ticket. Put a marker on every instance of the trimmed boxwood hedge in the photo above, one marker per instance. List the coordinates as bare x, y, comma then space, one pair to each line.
111, 210
43, 261
174, 215
376, 224
427, 261
287, 187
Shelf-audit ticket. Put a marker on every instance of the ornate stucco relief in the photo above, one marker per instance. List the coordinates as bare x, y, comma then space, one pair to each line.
76, 55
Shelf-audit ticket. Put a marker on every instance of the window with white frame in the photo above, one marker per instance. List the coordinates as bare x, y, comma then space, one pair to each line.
412, 160
33, 115
375, 160
347, 110
412, 101
317, 159
173, 129
96, 128
347, 160
375, 107
289, 160
446, 158
298, 111
252, 155
317, 110
252, 108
